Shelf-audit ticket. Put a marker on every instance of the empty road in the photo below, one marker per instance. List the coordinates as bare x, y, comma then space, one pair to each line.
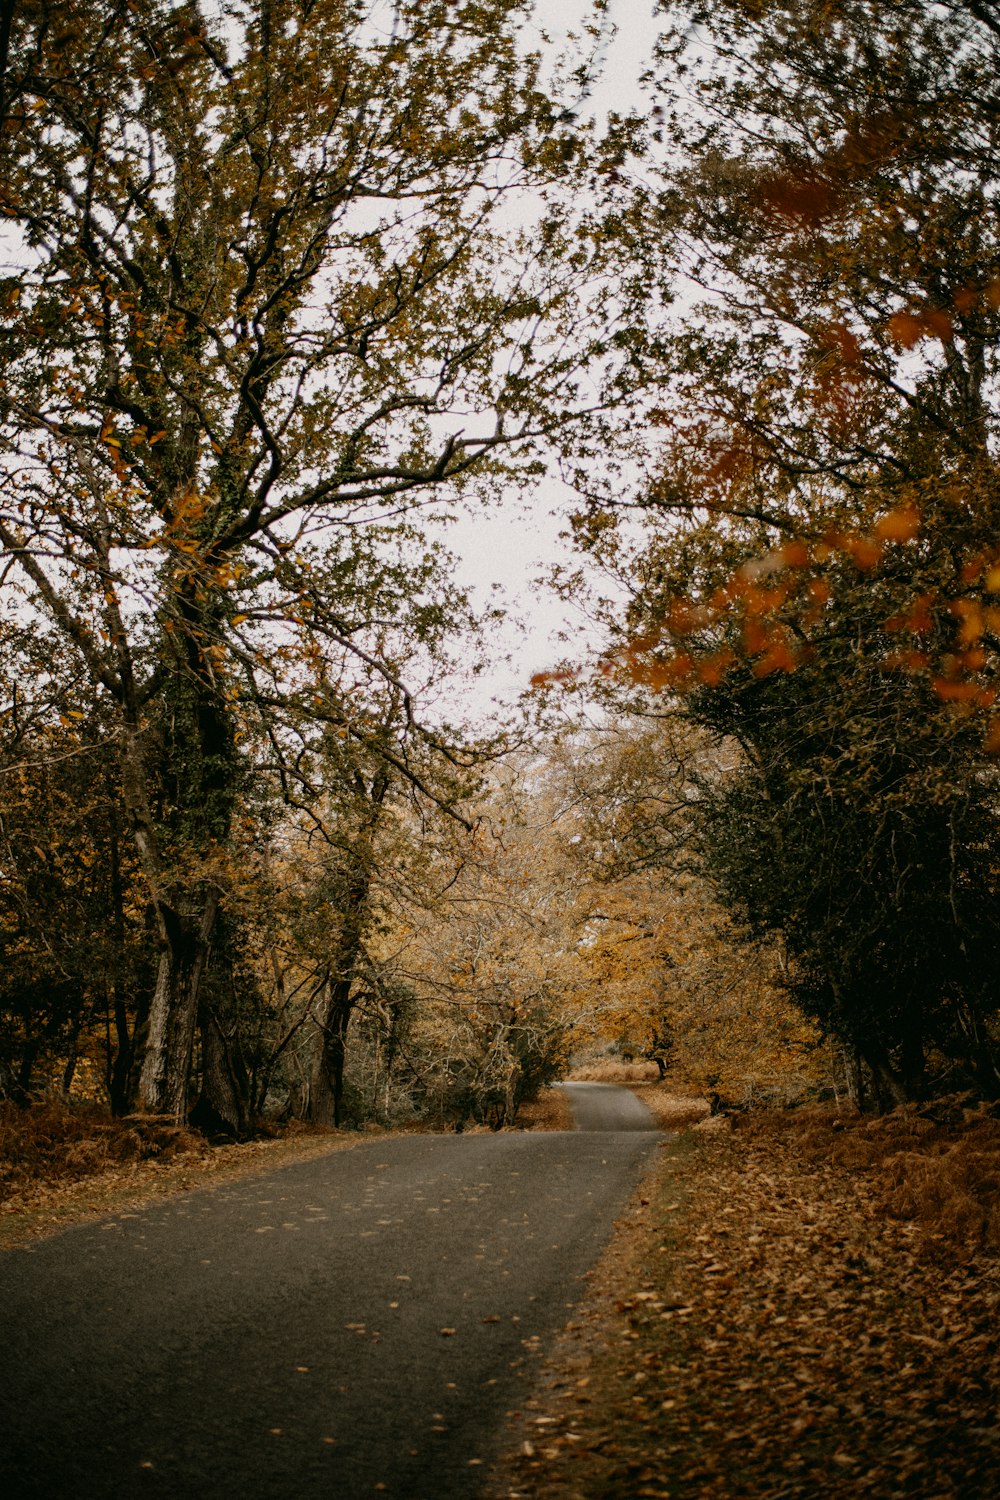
349, 1326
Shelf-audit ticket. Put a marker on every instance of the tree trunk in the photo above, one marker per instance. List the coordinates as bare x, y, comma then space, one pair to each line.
978, 1047
22, 1082
166, 1066
912, 1059
326, 1091
223, 1106
228, 995
70, 1069
327, 1082
196, 764
889, 1087
854, 1068
121, 1067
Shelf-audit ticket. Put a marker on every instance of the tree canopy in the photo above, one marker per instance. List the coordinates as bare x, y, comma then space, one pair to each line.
289, 277
817, 572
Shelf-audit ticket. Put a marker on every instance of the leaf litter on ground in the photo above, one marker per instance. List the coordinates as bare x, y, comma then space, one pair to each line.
804, 1305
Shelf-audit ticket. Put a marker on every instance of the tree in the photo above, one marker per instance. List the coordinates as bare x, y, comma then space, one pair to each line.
485, 955
662, 967
819, 572
261, 312
865, 836
830, 390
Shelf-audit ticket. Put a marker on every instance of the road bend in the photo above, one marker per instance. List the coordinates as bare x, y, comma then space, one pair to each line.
353, 1325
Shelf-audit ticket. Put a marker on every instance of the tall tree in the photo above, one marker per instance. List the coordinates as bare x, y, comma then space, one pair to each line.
261, 304
821, 565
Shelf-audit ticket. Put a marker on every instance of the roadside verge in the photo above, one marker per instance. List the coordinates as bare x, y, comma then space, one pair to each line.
769, 1320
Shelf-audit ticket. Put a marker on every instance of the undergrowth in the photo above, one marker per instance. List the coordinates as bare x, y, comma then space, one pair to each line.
937, 1165
51, 1141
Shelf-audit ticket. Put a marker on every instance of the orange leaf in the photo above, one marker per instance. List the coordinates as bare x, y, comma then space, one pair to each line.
780, 658
954, 692
800, 199
938, 324
755, 637
918, 619
899, 525
973, 624
865, 552
905, 329
794, 554
712, 669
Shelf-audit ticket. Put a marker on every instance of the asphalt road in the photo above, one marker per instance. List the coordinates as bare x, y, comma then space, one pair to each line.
353, 1325
605, 1106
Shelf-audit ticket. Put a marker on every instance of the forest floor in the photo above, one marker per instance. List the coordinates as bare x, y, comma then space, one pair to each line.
797, 1304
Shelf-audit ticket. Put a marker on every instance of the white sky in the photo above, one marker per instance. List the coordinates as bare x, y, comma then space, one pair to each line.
510, 546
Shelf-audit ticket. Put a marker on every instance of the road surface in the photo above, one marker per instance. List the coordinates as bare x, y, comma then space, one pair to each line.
350, 1326
605, 1106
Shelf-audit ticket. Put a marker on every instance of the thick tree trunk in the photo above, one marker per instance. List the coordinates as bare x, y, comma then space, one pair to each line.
196, 765
326, 1089
166, 1066
223, 1103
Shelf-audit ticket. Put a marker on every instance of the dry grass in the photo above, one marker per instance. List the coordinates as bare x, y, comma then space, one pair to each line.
672, 1111
614, 1070
550, 1111
59, 1166
937, 1168
51, 1142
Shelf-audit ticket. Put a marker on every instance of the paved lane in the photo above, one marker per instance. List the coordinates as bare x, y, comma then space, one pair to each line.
605, 1106
353, 1325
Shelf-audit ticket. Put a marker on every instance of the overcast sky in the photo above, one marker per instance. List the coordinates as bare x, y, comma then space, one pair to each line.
509, 546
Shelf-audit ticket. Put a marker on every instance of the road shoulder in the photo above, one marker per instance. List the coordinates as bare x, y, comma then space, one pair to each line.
760, 1325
